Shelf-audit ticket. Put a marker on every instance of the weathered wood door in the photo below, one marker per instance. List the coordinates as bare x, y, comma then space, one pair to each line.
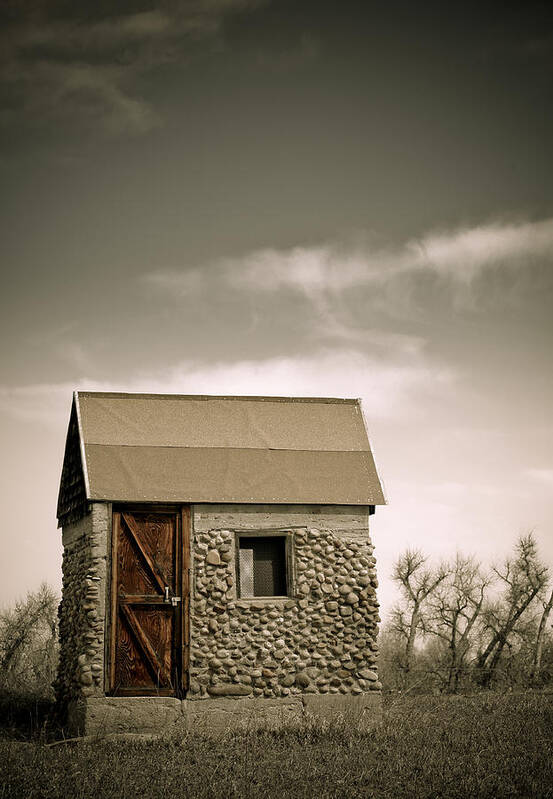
149, 636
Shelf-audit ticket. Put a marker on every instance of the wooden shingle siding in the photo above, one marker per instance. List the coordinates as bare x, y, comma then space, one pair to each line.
72, 500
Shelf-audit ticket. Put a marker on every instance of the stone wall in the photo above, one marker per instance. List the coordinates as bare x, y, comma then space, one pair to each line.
312, 652
82, 609
320, 640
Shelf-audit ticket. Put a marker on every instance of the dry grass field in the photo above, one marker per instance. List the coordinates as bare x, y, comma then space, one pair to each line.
487, 745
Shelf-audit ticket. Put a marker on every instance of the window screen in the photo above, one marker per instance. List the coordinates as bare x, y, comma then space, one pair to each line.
263, 566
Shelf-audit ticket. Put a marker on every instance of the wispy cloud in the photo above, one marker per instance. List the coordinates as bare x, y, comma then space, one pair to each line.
83, 67
95, 95
394, 281
459, 255
464, 254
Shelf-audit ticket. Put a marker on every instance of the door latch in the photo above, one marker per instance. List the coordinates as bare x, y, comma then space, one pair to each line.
173, 600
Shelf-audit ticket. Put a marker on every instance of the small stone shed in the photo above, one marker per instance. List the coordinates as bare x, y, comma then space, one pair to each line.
217, 564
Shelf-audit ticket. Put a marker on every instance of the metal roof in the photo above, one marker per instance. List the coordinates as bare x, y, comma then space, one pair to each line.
190, 448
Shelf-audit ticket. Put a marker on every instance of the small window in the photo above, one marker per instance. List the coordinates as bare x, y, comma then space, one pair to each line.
262, 566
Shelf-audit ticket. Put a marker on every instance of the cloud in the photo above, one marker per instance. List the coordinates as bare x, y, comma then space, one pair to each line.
467, 253
396, 388
93, 94
460, 255
82, 66
349, 285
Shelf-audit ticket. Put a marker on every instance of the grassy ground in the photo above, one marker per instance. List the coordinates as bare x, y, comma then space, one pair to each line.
482, 746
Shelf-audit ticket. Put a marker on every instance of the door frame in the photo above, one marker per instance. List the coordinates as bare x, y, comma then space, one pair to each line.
181, 630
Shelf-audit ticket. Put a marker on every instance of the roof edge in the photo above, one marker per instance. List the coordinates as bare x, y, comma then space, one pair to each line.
207, 397
114, 500
376, 468
82, 443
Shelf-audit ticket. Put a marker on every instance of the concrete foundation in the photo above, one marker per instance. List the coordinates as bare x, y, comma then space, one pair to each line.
161, 716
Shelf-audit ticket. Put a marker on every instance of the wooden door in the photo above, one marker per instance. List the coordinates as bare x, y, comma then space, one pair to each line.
149, 602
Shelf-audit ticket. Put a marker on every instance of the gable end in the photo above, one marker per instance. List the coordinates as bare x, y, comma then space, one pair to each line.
72, 499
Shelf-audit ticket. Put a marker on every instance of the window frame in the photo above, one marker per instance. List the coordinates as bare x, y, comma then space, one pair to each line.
288, 562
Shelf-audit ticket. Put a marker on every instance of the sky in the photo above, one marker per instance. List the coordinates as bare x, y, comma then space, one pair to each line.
349, 199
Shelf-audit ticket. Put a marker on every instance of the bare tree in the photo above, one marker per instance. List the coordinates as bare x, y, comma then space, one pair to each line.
28, 641
417, 582
453, 610
523, 577
536, 665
